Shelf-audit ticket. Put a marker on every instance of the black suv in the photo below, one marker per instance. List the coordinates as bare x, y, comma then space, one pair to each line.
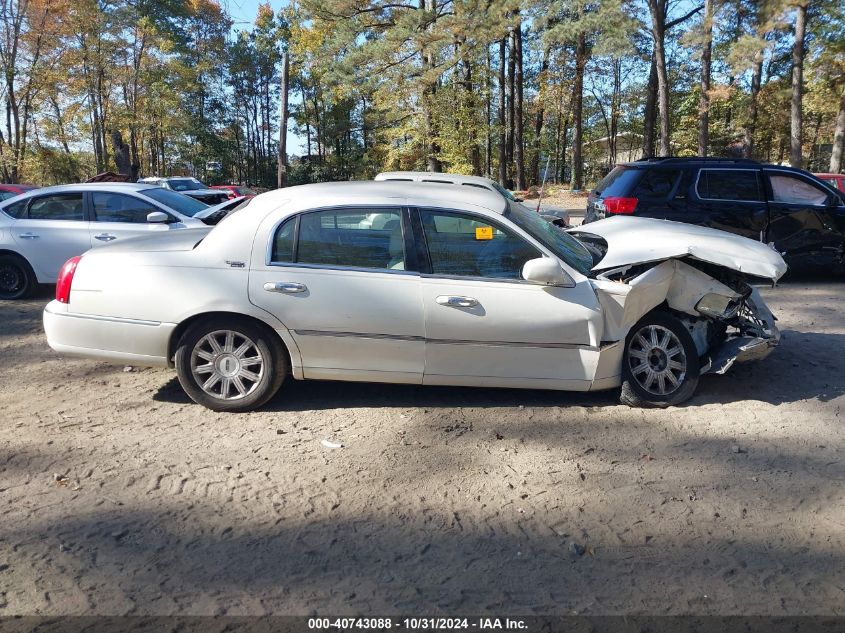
803, 216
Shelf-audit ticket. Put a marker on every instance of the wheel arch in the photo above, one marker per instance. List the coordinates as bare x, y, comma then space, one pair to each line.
281, 334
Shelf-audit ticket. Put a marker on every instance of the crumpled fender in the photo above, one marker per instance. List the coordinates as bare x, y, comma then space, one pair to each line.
680, 285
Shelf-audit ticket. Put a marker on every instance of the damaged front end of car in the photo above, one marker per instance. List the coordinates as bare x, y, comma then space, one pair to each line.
703, 283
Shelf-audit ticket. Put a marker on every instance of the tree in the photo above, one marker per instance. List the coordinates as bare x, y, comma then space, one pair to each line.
796, 136
704, 97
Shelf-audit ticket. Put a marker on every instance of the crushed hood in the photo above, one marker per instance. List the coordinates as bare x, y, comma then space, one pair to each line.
641, 240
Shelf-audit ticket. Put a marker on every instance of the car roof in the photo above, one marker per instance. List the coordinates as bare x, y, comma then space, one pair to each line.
113, 187
430, 176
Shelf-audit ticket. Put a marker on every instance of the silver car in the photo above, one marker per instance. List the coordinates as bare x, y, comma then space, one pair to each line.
43, 228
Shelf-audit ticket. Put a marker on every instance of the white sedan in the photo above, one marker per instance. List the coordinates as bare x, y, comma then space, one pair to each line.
419, 284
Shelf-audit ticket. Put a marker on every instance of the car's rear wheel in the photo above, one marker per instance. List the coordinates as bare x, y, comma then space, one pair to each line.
16, 277
660, 366
230, 365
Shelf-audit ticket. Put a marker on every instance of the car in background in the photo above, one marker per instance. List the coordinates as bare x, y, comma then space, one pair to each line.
188, 186
10, 191
43, 228
837, 181
212, 215
236, 191
558, 217
419, 284
801, 215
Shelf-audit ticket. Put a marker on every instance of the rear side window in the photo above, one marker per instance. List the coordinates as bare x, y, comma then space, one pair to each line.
359, 238
619, 182
729, 184
16, 209
63, 206
657, 184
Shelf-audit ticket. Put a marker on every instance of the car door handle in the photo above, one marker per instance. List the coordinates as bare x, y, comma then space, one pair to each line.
286, 287
105, 237
29, 236
457, 302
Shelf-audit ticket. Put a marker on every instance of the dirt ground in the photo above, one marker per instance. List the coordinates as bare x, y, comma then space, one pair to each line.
119, 496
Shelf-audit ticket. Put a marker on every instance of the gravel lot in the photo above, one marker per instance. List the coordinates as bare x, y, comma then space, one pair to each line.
119, 496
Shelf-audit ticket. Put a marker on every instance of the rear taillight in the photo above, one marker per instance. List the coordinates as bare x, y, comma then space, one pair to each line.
65, 280
620, 206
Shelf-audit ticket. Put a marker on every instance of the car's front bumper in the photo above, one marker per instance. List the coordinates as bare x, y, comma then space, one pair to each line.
117, 340
742, 349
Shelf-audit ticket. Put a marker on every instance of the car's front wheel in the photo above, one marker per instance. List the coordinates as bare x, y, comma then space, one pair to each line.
660, 366
230, 365
16, 277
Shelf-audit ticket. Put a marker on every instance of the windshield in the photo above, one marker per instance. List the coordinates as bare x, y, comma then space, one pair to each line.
185, 184
176, 201
557, 240
507, 194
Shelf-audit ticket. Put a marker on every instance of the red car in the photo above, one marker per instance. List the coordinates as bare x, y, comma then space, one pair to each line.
236, 191
837, 180
9, 191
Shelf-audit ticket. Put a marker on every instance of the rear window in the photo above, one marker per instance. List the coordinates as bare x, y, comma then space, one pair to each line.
619, 182
657, 184
729, 184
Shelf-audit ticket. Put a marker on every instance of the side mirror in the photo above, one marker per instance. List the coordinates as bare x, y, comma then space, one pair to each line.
546, 271
157, 217
518, 199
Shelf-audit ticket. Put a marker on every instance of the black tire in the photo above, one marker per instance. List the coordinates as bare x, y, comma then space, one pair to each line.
17, 280
195, 346
656, 389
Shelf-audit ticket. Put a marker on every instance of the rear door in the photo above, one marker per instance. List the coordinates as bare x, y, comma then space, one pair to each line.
345, 284
730, 199
117, 216
806, 219
52, 230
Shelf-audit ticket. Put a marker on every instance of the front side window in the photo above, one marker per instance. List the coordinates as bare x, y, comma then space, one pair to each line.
5, 195
117, 207
470, 246
176, 201
62, 206
359, 238
729, 184
796, 191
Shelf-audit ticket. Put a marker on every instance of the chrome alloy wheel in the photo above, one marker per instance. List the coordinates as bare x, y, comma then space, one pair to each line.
657, 360
227, 365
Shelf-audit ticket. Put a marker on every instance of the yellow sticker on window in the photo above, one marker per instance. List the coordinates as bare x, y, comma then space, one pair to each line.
484, 233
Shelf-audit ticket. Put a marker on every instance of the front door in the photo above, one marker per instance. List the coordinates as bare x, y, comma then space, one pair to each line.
117, 216
806, 220
730, 199
341, 282
51, 231
484, 323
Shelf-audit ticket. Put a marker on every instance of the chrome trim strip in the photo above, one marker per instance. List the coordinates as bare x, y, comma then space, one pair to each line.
354, 269
96, 317
442, 341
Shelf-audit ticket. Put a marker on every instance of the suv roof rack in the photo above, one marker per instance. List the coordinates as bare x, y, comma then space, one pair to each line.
698, 159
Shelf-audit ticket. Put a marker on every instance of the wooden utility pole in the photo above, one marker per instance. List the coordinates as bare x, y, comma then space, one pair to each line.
283, 123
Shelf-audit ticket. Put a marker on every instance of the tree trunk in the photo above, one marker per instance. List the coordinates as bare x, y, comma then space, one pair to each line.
577, 181
796, 137
488, 150
838, 137
704, 97
658, 32
503, 141
538, 121
511, 103
433, 160
519, 136
281, 168
751, 124
650, 117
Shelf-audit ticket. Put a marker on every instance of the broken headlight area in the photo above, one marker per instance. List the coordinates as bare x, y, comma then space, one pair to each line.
717, 306
750, 334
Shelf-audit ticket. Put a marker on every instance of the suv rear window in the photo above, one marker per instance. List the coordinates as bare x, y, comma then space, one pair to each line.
729, 184
619, 182
657, 184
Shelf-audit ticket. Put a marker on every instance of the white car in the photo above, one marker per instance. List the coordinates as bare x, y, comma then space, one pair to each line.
458, 287
558, 216
43, 228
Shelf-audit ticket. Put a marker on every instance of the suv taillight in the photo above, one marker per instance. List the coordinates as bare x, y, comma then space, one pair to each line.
63, 283
620, 206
